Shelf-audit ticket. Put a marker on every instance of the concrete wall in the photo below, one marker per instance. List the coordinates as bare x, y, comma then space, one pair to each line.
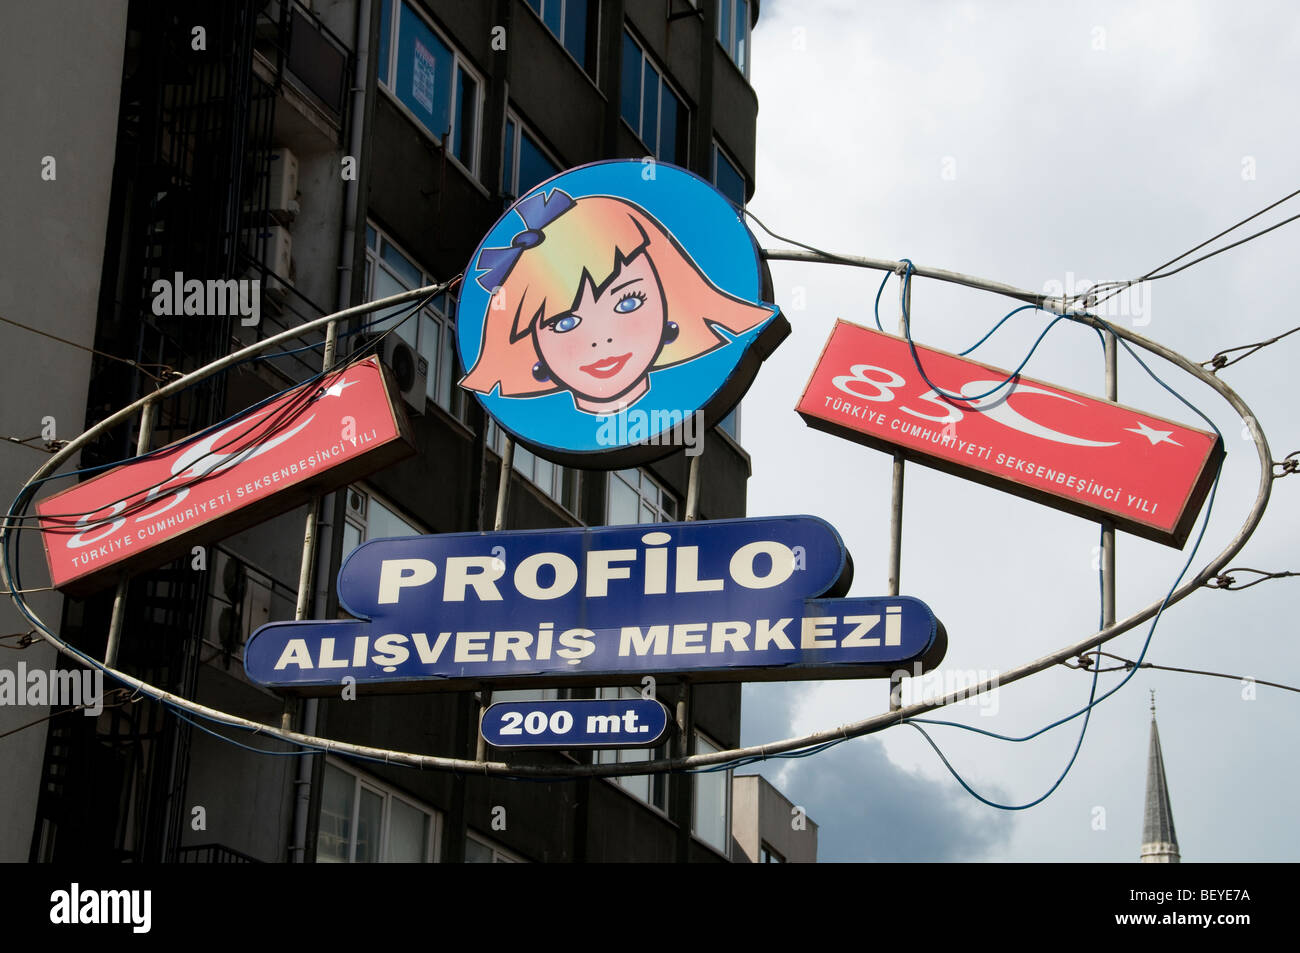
60, 77
759, 812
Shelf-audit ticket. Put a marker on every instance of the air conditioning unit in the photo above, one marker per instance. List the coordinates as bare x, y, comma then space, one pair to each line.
277, 258
284, 182
409, 368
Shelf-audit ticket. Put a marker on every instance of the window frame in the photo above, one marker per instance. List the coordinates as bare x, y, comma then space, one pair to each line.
498, 850
459, 61
362, 523
728, 42
362, 781
660, 786
726, 797
521, 129
215, 599
593, 13
719, 151
444, 318
664, 494
733, 437
494, 439
665, 81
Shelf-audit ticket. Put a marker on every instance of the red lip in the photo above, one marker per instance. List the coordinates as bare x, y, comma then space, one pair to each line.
607, 366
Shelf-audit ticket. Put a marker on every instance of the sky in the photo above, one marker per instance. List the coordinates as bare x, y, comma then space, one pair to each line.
1045, 146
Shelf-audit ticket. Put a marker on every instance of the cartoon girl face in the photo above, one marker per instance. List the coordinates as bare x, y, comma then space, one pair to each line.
603, 347
592, 297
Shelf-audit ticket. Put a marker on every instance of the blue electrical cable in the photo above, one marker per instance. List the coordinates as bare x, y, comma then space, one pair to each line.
907, 329
1093, 701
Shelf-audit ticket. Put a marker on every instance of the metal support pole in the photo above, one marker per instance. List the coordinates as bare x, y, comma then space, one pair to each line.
503, 483
686, 698
1107, 527
147, 415
310, 545
498, 524
682, 794
693, 488
896, 504
309, 539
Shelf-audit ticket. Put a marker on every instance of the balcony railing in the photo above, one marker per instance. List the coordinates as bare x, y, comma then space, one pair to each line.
213, 854
306, 54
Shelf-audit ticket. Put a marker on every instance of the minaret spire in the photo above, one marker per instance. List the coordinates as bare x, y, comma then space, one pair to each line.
1159, 842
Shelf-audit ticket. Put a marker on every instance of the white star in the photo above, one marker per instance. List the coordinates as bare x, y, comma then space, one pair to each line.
336, 389
1155, 436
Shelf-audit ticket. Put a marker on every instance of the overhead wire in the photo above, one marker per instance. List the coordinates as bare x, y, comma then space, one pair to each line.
1220, 360
1095, 654
1083, 729
1093, 701
1227, 582
1090, 297
121, 700
142, 368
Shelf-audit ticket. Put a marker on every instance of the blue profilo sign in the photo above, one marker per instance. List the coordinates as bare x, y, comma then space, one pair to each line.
585, 723
723, 600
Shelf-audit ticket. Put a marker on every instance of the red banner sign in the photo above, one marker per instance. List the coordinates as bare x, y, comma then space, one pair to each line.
269, 460
1061, 448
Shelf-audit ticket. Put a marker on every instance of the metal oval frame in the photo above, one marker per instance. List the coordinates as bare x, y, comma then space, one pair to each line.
693, 762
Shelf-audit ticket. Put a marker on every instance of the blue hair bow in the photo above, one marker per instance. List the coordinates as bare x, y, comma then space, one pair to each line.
537, 211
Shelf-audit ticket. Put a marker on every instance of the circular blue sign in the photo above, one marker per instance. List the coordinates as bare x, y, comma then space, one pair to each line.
614, 311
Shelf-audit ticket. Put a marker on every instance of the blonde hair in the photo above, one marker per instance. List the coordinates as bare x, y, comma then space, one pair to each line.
583, 244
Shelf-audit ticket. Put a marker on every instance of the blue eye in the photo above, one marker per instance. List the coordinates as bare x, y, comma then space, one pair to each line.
629, 303
566, 323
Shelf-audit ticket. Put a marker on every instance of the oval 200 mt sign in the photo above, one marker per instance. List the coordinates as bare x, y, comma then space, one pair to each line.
587, 723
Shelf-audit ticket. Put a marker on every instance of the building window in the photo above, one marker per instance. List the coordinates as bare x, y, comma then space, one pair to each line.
528, 695
557, 482
370, 518
712, 816
649, 105
727, 177
240, 599
766, 855
480, 850
636, 497
731, 424
432, 332
650, 788
733, 31
525, 163
573, 25
431, 79
363, 820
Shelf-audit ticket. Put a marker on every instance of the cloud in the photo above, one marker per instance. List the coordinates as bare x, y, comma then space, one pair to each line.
1086, 141
869, 809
